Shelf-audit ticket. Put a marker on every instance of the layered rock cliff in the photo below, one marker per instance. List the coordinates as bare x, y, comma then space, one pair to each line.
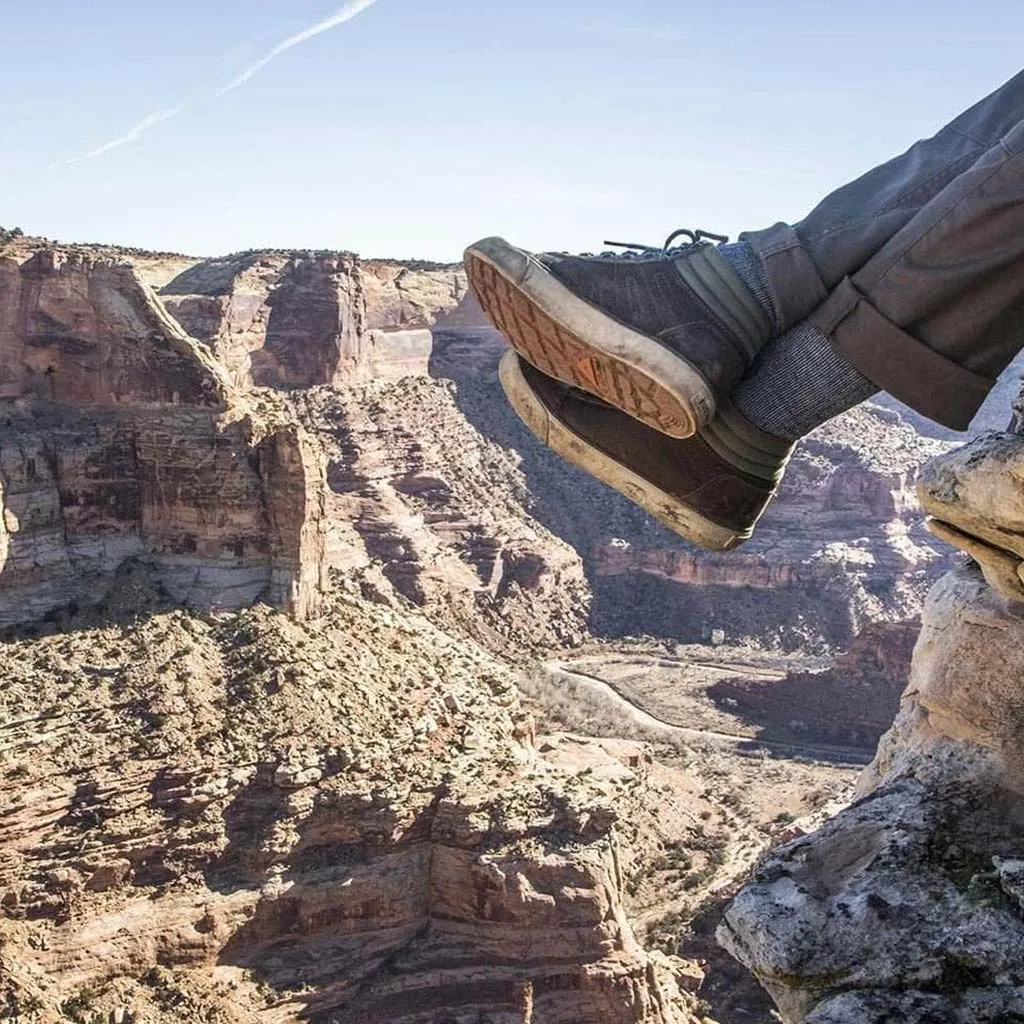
121, 438
909, 906
422, 507
841, 547
337, 814
128, 440
851, 703
296, 320
327, 436
293, 320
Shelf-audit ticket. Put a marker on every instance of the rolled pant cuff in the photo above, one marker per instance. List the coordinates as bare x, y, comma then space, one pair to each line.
898, 363
796, 285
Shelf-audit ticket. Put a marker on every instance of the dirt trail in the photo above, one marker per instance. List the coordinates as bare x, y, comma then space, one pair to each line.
832, 754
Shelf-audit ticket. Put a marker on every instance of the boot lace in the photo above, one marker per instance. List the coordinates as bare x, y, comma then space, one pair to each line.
637, 250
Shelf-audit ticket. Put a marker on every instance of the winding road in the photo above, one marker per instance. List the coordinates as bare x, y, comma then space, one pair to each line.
845, 756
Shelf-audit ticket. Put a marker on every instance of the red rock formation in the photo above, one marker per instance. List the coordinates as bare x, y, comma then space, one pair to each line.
291, 320
294, 320
341, 819
121, 438
421, 506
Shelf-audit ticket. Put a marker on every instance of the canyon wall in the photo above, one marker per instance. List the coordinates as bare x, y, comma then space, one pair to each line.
338, 814
842, 546
293, 321
418, 504
301, 319
121, 438
126, 438
327, 435
423, 509
344, 820
852, 703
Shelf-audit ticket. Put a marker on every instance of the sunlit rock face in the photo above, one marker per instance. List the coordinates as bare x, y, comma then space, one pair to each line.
122, 439
301, 319
909, 906
332, 817
127, 439
298, 320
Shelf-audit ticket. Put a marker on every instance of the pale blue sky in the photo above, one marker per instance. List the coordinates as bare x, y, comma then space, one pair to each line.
420, 125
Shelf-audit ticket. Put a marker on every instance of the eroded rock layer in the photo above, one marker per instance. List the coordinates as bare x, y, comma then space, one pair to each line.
295, 320
292, 320
247, 818
121, 438
842, 546
258, 816
422, 507
852, 703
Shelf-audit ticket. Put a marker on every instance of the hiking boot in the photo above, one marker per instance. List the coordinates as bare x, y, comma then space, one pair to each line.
662, 334
711, 489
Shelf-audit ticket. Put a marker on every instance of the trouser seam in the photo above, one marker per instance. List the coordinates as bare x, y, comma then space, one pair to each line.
900, 200
984, 143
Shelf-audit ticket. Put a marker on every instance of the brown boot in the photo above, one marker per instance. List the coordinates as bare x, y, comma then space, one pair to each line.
711, 489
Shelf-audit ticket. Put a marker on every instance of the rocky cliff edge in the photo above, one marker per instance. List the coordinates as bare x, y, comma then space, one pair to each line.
909, 905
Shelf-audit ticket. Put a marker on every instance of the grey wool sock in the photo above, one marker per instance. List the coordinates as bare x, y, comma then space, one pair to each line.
797, 382
748, 268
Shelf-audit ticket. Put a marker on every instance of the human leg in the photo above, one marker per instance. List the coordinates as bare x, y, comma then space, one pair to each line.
932, 318
805, 261
664, 334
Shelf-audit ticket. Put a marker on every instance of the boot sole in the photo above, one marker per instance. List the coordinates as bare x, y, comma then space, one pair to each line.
567, 338
553, 433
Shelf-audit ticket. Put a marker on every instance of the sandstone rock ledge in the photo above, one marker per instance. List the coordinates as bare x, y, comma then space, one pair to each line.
909, 906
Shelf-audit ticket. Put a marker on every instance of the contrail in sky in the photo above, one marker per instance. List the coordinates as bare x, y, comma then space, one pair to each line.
129, 136
339, 17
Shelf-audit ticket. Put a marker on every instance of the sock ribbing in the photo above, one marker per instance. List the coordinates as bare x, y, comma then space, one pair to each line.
747, 265
798, 382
